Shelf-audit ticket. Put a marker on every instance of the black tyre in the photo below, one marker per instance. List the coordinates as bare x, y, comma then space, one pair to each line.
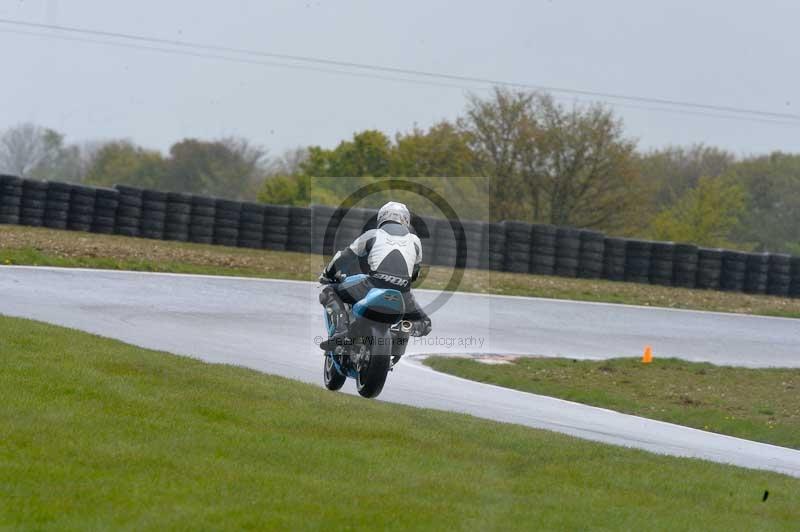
203, 211
372, 374
126, 230
333, 379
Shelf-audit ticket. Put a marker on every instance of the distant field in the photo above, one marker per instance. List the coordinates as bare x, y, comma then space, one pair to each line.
46, 247
97, 434
755, 404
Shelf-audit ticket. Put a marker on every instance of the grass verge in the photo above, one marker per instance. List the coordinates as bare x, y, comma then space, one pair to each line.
97, 434
47, 247
756, 404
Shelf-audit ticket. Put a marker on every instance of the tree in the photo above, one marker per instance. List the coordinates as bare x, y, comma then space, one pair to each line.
582, 167
671, 171
298, 190
772, 216
706, 215
497, 131
368, 154
289, 163
442, 151
122, 162
286, 190
229, 167
553, 164
26, 147
32, 151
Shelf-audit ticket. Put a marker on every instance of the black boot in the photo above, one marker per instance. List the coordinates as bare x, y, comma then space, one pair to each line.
337, 314
338, 339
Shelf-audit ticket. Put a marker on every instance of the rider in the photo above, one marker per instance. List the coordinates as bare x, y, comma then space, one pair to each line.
390, 255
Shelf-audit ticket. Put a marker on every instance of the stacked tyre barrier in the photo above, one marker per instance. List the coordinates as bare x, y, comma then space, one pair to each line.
458, 244
81, 208
299, 230
154, 214
226, 222
10, 199
510, 246
56, 212
794, 286
756, 273
734, 269
662, 262
201, 220
106, 203
614, 254
251, 225
276, 227
685, 265
709, 268
447, 236
592, 255
179, 216
779, 278
34, 200
425, 228
473, 242
323, 227
543, 249
568, 249
129, 211
637, 261
518, 247
494, 246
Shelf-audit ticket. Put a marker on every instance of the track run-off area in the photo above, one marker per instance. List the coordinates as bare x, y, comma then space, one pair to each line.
272, 326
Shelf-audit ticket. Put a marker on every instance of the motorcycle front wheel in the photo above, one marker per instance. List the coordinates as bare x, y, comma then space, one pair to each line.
375, 364
333, 379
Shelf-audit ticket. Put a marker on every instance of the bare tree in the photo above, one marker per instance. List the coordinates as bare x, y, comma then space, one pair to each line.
289, 163
33, 151
27, 146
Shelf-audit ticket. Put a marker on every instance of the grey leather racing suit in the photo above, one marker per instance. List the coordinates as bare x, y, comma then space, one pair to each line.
391, 256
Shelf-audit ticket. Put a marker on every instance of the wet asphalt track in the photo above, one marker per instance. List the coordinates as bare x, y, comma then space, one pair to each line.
270, 326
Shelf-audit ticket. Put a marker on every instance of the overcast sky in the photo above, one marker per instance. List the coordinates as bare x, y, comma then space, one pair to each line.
729, 53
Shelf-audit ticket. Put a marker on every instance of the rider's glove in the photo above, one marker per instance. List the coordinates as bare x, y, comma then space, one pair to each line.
326, 278
422, 327
426, 326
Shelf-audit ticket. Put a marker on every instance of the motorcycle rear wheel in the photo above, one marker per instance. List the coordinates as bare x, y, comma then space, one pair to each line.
373, 370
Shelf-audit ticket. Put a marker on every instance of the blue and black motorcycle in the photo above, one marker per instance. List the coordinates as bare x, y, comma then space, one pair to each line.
376, 338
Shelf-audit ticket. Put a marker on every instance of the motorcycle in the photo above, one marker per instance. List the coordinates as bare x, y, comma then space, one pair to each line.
376, 338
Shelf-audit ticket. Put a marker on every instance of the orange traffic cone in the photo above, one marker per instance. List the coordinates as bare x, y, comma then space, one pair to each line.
648, 355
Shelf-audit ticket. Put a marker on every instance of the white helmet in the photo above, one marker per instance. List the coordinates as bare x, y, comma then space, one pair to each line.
394, 212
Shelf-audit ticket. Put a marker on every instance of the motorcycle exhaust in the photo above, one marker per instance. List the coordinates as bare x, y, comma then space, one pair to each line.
406, 326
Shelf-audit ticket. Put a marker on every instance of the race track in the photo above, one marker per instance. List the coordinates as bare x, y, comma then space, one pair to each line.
270, 326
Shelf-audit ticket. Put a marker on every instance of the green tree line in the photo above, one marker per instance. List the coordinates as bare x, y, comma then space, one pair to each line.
509, 155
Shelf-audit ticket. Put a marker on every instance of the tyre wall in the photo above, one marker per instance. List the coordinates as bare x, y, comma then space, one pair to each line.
509, 246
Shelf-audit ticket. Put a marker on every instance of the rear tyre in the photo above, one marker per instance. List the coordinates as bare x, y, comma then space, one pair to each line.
333, 379
372, 374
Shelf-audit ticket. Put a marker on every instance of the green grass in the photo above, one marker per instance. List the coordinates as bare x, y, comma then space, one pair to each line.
96, 434
34, 257
47, 247
756, 404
